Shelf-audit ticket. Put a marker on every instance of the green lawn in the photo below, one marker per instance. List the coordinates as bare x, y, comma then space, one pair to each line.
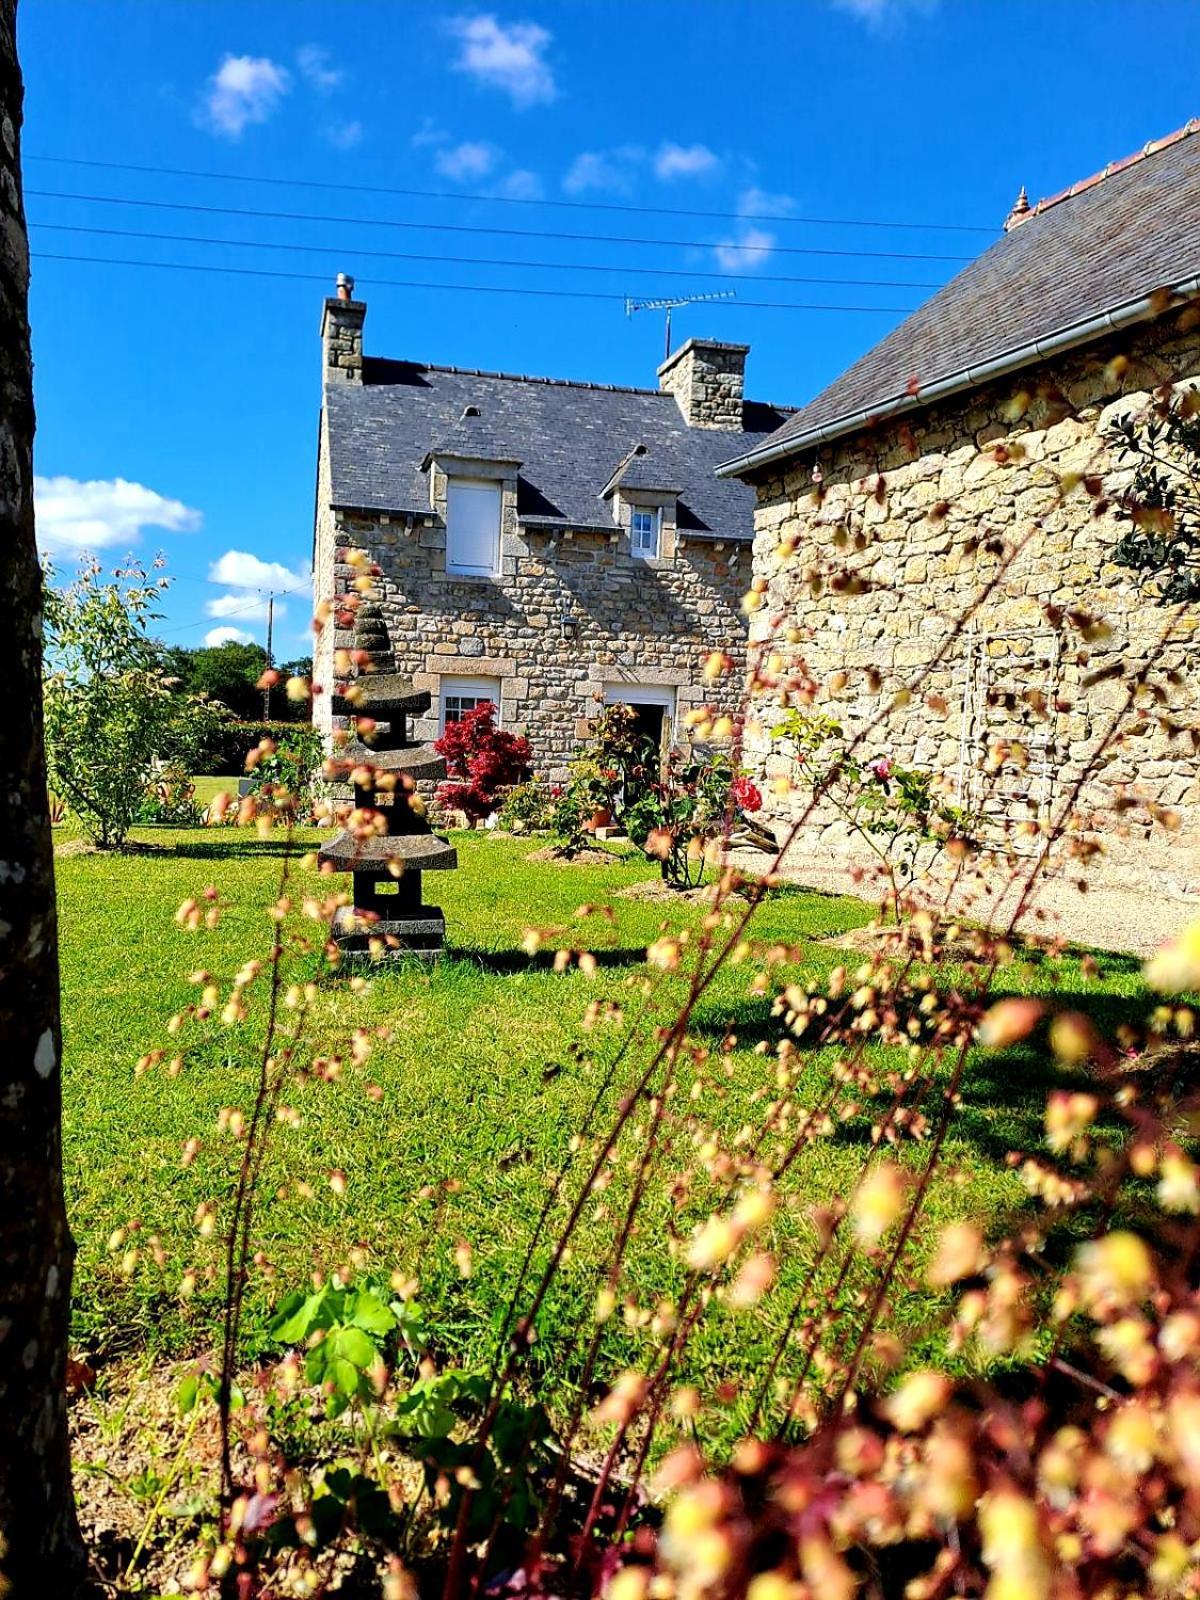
486, 1072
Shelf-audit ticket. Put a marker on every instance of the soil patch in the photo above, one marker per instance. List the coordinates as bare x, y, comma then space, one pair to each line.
661, 893
969, 944
589, 856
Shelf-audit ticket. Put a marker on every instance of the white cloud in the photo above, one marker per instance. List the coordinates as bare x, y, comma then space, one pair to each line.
473, 159
228, 635
316, 65
238, 569
749, 249
249, 607
243, 90
684, 161
75, 515
608, 170
882, 14
343, 135
428, 133
506, 56
521, 184
754, 202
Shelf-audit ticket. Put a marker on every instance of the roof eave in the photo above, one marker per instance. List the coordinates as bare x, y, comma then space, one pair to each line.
971, 377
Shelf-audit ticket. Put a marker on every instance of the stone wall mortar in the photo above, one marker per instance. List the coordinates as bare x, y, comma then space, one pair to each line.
990, 501
650, 622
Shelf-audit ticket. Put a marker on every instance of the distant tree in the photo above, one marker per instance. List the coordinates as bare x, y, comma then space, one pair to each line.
111, 711
226, 672
40, 1549
1161, 503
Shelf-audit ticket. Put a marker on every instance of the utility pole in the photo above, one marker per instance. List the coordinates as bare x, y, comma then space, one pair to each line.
270, 657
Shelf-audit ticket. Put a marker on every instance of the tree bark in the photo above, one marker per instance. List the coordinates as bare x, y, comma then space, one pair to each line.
40, 1548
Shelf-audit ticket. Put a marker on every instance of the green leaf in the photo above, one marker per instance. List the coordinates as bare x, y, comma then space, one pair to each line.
369, 1312
188, 1393
298, 1316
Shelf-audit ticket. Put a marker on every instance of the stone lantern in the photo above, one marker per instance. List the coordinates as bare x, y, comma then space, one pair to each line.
387, 843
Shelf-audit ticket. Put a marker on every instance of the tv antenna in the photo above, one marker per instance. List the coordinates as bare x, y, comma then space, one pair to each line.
670, 305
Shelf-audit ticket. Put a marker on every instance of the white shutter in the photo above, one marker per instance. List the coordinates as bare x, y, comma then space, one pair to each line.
472, 526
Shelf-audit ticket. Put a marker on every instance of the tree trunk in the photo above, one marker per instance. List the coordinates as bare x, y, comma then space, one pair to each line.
40, 1549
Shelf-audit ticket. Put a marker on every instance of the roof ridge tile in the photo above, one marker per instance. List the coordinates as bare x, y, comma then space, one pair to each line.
1152, 147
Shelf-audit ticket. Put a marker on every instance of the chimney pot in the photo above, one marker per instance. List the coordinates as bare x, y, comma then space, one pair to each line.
345, 286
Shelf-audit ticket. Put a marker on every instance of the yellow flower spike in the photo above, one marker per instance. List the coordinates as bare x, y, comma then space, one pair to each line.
959, 1254
755, 1208
631, 1583
1172, 1562
712, 1244
1179, 1183
1132, 1438
877, 1203
1114, 1270
919, 1398
1173, 968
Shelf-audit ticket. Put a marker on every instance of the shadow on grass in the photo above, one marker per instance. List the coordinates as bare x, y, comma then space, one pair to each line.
230, 849
509, 961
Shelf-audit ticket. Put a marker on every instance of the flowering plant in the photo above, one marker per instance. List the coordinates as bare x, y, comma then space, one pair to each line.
893, 810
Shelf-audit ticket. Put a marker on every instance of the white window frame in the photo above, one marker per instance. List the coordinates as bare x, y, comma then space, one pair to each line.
642, 550
476, 689
641, 694
495, 490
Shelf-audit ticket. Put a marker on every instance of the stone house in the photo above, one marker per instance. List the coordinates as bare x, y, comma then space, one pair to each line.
542, 544
939, 526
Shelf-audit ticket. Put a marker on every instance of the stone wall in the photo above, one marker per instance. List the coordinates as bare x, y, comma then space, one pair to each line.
957, 567
568, 613
342, 340
707, 378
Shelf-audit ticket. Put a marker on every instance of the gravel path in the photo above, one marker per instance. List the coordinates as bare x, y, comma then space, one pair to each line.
1108, 916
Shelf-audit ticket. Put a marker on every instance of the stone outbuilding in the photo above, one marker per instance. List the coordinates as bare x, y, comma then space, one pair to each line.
939, 526
542, 544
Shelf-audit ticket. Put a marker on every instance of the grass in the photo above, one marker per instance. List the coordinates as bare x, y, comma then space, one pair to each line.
484, 1076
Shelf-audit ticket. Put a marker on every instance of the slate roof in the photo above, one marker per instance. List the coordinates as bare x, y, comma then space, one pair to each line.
569, 437
640, 469
1093, 251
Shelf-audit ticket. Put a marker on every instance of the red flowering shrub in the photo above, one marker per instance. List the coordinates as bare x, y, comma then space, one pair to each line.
746, 795
482, 761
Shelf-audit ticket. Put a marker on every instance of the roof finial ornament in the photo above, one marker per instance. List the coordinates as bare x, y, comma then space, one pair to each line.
1019, 212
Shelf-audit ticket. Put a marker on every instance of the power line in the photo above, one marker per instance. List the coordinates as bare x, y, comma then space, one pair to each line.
516, 200
456, 288
477, 261
238, 611
462, 227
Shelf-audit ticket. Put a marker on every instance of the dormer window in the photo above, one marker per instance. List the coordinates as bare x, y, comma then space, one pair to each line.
644, 525
473, 527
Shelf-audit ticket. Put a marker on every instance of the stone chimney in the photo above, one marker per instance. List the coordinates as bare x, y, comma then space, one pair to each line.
707, 378
342, 334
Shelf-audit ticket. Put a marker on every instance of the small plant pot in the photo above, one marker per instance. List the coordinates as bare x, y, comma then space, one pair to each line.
601, 818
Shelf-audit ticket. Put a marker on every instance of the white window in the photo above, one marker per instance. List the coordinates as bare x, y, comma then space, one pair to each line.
460, 695
472, 527
643, 531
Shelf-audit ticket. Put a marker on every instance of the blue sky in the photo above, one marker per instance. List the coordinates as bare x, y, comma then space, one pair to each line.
177, 410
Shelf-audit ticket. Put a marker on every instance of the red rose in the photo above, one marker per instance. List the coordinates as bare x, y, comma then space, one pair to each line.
745, 795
